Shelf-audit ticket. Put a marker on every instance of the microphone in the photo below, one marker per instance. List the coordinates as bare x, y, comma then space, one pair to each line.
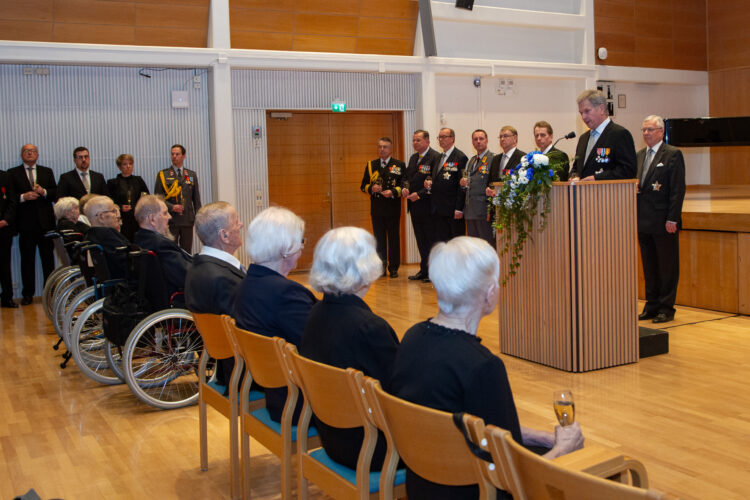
569, 135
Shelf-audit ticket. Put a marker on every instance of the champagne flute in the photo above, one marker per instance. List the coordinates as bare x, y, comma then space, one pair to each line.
564, 406
429, 179
465, 175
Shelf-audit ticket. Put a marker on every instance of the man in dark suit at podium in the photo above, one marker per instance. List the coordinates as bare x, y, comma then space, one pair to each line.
382, 181
421, 166
36, 190
81, 180
606, 151
661, 190
448, 198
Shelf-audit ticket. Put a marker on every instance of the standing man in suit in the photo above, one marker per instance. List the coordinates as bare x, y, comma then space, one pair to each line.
153, 219
215, 272
606, 151
448, 198
382, 181
36, 190
179, 186
510, 157
419, 176
557, 159
476, 209
7, 231
81, 181
661, 190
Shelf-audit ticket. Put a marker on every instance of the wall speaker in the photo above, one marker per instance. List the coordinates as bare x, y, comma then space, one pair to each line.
465, 4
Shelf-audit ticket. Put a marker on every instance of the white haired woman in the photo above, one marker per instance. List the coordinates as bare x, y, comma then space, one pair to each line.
67, 213
442, 364
266, 302
342, 331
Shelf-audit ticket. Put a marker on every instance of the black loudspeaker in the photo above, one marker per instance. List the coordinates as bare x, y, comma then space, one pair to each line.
465, 4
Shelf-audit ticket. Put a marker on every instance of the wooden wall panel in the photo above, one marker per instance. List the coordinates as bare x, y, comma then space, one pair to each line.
743, 269
708, 270
652, 34
729, 95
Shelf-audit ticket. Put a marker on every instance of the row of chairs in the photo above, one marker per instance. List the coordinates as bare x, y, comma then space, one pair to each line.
427, 440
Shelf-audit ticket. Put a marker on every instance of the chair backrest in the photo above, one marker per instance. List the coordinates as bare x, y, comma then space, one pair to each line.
537, 478
215, 339
497, 471
426, 439
260, 355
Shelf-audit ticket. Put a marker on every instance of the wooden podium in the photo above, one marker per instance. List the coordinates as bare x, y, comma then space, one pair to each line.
573, 303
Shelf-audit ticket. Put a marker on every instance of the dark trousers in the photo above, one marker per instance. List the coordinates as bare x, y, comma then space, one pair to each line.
386, 229
28, 243
183, 236
481, 228
660, 254
443, 228
459, 228
6, 280
424, 232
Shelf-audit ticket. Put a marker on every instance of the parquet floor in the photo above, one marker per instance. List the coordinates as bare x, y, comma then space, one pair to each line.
685, 415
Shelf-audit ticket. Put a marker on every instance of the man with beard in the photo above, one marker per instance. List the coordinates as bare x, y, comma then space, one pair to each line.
153, 219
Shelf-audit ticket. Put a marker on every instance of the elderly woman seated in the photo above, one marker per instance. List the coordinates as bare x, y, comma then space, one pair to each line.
67, 214
266, 302
105, 231
342, 330
442, 364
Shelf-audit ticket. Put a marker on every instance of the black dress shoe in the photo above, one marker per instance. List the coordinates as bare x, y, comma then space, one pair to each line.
425, 280
663, 318
9, 304
417, 276
394, 274
27, 300
646, 315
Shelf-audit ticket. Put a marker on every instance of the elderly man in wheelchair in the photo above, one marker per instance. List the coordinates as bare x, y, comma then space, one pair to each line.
136, 333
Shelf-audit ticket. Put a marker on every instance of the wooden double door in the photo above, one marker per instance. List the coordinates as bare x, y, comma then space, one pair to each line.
316, 161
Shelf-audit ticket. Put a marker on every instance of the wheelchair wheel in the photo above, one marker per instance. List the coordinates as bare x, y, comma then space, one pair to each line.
57, 277
76, 305
114, 358
160, 359
89, 345
67, 294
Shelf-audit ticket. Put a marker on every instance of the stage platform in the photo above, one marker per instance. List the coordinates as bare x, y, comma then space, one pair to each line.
714, 249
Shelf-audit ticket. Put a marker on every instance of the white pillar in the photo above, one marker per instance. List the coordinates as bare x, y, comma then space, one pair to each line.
218, 25
222, 132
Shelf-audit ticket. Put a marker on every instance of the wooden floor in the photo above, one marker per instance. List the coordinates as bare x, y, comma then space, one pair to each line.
686, 415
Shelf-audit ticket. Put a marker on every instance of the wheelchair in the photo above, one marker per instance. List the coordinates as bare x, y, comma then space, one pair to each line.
159, 358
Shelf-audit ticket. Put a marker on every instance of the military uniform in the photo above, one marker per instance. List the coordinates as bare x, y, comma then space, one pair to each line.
167, 183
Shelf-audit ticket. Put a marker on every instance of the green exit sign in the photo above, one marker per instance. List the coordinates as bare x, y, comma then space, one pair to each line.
338, 107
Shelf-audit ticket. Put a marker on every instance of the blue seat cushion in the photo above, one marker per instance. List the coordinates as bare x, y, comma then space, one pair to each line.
350, 475
221, 389
263, 415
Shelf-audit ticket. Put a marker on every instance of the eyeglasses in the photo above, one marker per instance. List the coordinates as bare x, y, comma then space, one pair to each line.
444, 136
29, 151
506, 136
650, 129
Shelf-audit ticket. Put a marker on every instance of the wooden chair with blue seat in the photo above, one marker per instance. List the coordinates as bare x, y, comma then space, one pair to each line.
216, 344
330, 393
425, 439
262, 357
533, 477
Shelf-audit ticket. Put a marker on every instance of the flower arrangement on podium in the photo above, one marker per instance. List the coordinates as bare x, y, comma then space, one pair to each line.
524, 189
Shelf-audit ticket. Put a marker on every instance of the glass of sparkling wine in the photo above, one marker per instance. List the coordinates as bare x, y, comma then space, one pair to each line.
564, 406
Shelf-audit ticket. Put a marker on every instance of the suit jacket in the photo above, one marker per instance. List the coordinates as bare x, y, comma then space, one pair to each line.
71, 184
416, 173
476, 198
269, 304
34, 216
8, 201
210, 284
447, 195
560, 163
342, 331
612, 157
110, 240
190, 197
495, 174
662, 191
173, 259
392, 177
